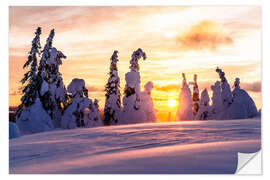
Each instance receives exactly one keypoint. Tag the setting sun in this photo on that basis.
(172, 102)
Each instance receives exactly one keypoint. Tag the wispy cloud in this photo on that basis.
(94, 89)
(169, 87)
(15, 92)
(248, 86)
(253, 86)
(204, 35)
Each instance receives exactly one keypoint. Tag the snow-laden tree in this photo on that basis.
(195, 96)
(204, 110)
(45, 54)
(236, 83)
(30, 91)
(52, 92)
(242, 106)
(132, 112)
(31, 117)
(226, 93)
(34, 119)
(216, 106)
(75, 114)
(93, 115)
(147, 102)
(226, 96)
(184, 111)
(112, 109)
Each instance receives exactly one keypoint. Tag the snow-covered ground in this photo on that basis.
(179, 147)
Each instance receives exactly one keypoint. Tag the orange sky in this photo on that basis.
(175, 39)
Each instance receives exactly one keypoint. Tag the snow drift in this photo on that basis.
(34, 119)
(13, 130)
(195, 147)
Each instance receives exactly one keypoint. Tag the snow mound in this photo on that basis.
(13, 131)
(243, 106)
(69, 120)
(34, 119)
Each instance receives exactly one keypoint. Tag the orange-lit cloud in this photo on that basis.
(204, 35)
(94, 89)
(166, 88)
(254, 86)
(248, 86)
(15, 93)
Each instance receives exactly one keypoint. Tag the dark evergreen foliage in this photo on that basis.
(30, 91)
(112, 88)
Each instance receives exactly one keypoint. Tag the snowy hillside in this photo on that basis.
(180, 147)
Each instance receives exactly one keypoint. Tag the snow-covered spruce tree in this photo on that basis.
(132, 112)
(216, 106)
(237, 83)
(30, 91)
(195, 96)
(184, 111)
(45, 54)
(52, 92)
(243, 105)
(112, 107)
(204, 110)
(93, 115)
(75, 114)
(226, 96)
(226, 93)
(31, 116)
(147, 103)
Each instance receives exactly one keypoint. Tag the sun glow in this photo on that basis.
(172, 102)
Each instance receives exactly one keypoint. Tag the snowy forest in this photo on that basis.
(47, 103)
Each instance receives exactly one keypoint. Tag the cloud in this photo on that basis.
(15, 92)
(94, 89)
(160, 99)
(170, 87)
(253, 86)
(204, 35)
(176, 87)
(248, 86)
